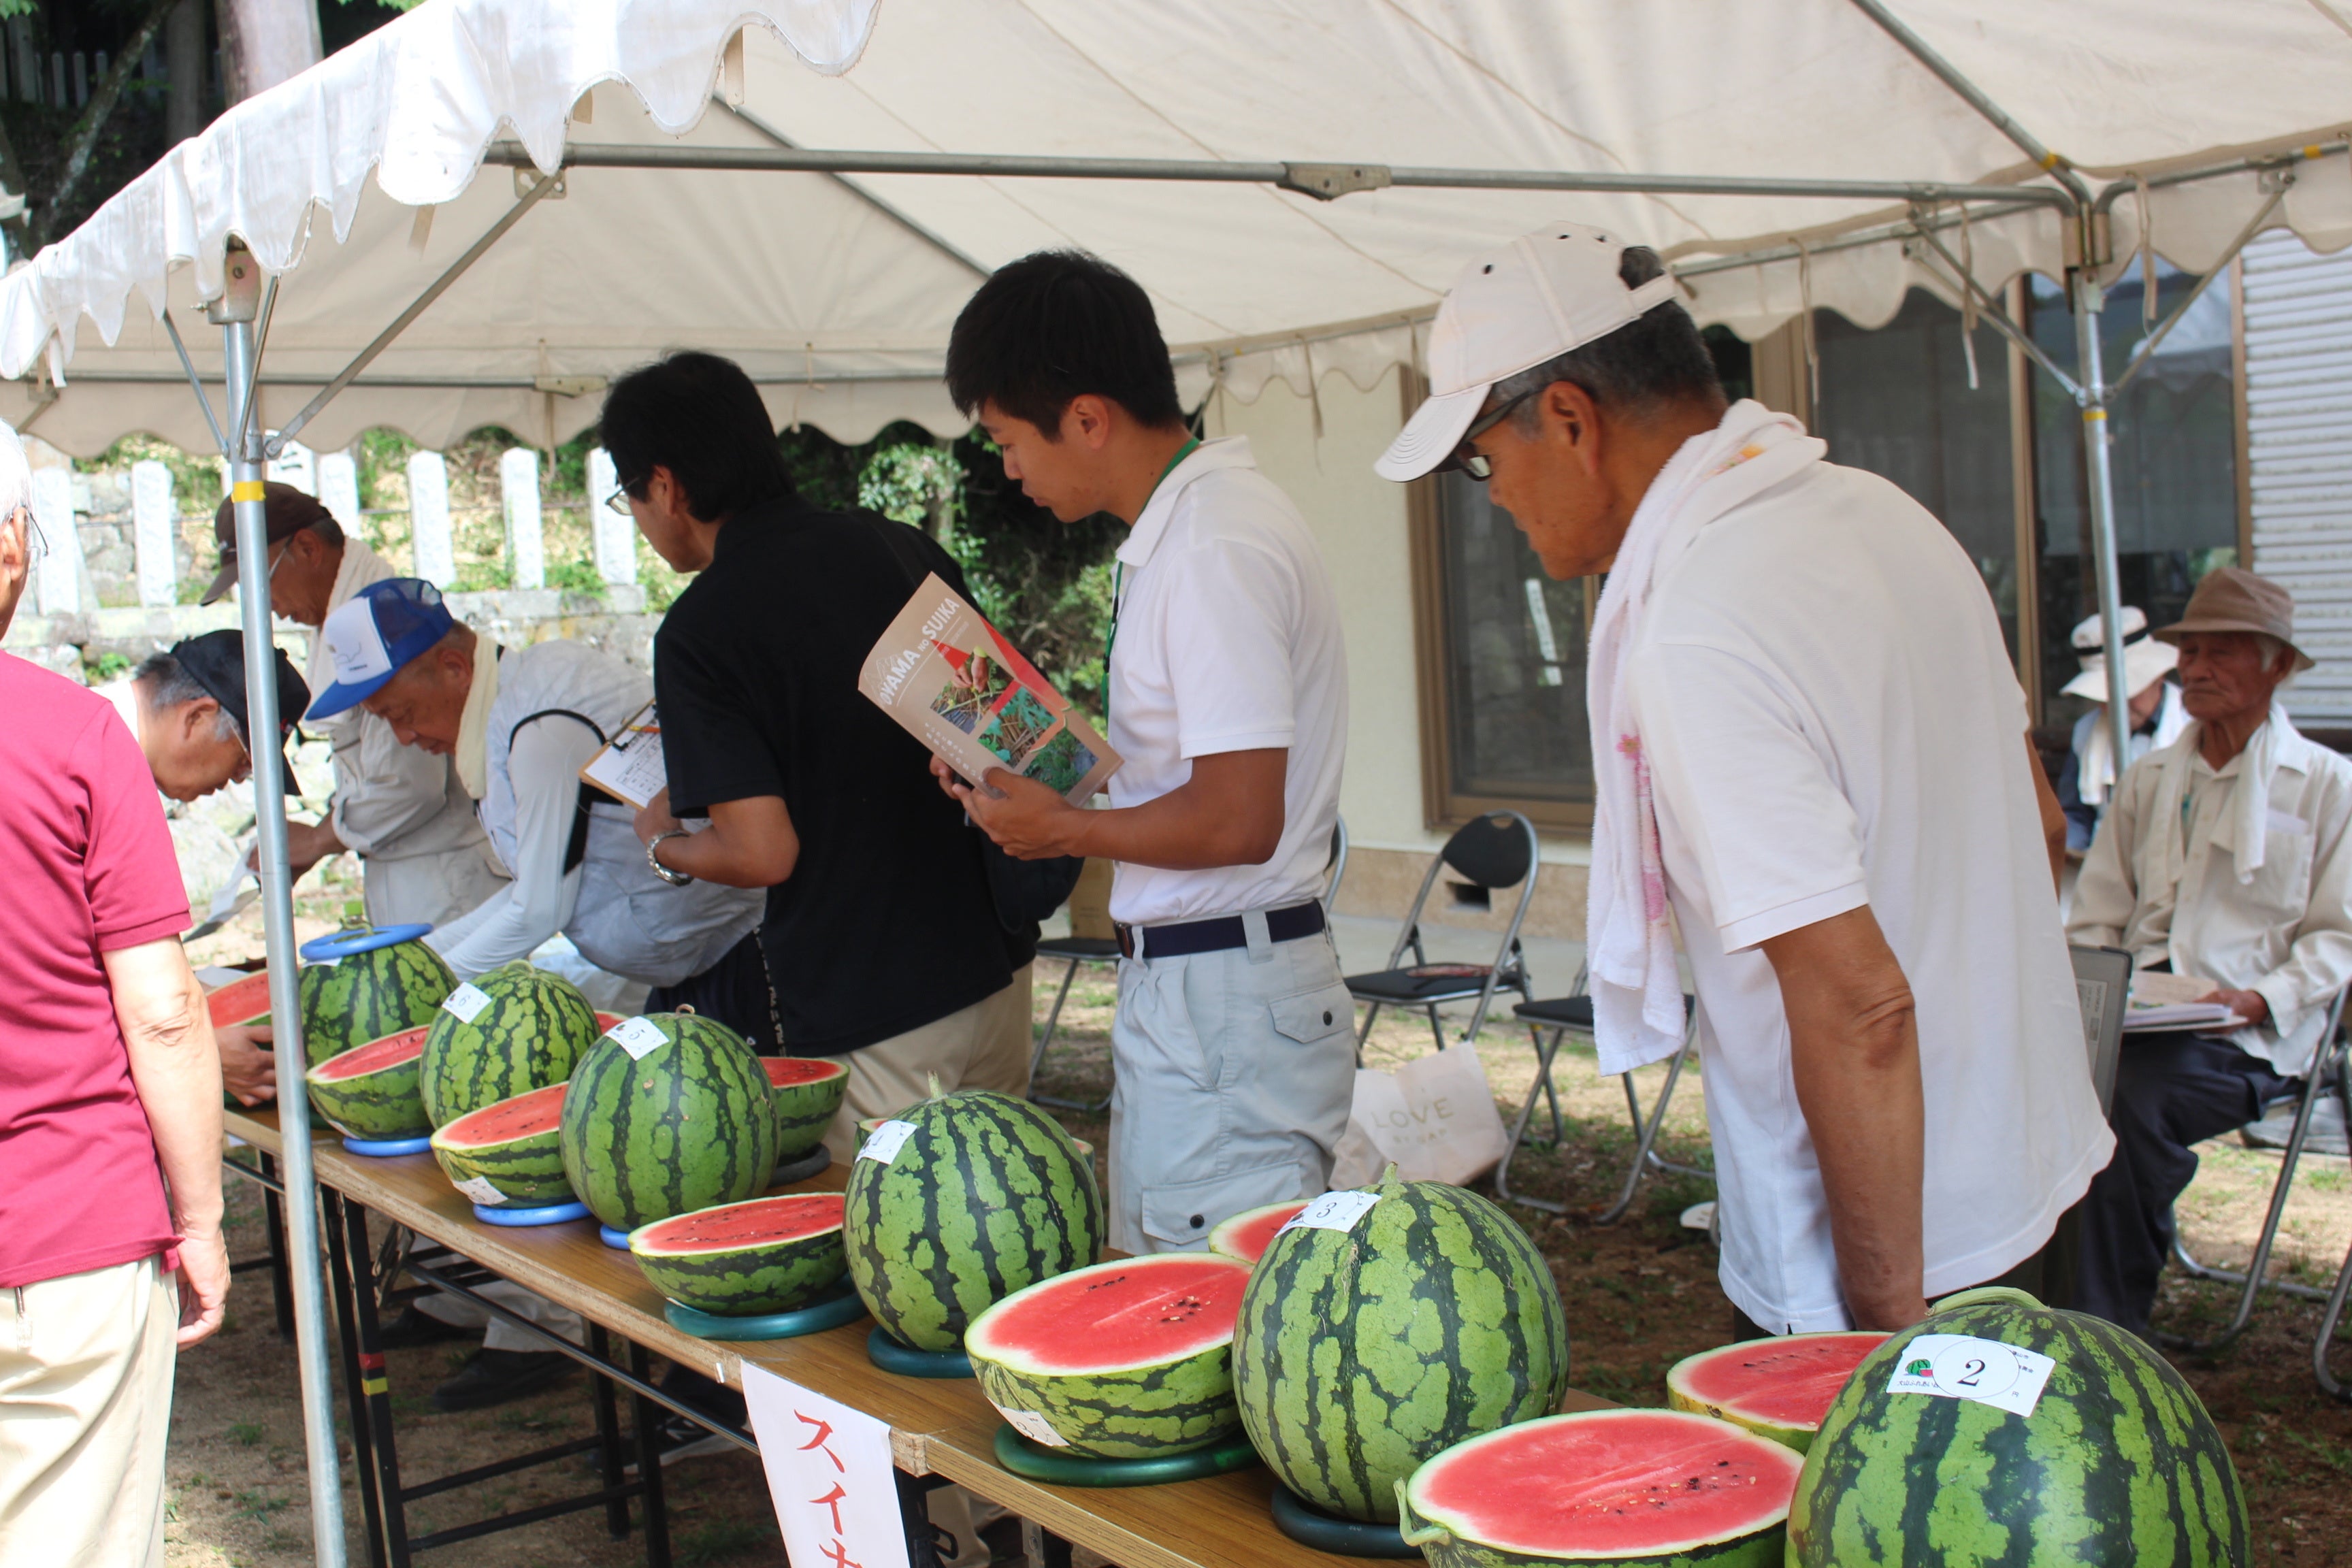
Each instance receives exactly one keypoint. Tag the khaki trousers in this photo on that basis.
(985, 1046)
(86, 1365)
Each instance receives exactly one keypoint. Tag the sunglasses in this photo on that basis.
(1467, 457)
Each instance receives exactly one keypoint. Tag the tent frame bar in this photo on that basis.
(2279, 183)
(1993, 311)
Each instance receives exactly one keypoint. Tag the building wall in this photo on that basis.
(1359, 520)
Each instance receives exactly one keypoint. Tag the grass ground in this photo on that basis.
(1640, 1295)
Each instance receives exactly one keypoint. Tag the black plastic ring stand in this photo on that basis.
(1034, 1461)
(892, 1355)
(813, 1163)
(1344, 1537)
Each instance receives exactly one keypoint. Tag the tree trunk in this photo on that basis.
(265, 42)
(183, 64)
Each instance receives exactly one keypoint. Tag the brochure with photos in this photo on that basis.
(956, 685)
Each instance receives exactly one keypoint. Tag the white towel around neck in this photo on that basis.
(2249, 814)
(1637, 998)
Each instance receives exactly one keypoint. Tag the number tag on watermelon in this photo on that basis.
(1033, 1426)
(479, 1189)
(1334, 1211)
(467, 1001)
(639, 1037)
(1961, 1367)
(886, 1140)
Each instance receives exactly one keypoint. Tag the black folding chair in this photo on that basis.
(1077, 950)
(2328, 1067)
(1496, 850)
(1562, 1015)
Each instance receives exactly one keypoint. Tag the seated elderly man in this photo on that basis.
(2221, 855)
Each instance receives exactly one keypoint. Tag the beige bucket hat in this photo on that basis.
(2231, 599)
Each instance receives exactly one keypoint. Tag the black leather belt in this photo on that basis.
(1216, 935)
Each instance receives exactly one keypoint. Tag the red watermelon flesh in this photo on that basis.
(1138, 1312)
(245, 1001)
(785, 1071)
(519, 1117)
(606, 1021)
(374, 1056)
(1247, 1236)
(1608, 1484)
(730, 1225)
(1777, 1388)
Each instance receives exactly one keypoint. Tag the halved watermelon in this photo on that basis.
(1649, 1487)
(606, 1021)
(508, 1154)
(766, 1254)
(808, 1093)
(1121, 1361)
(1777, 1388)
(369, 1090)
(1247, 1234)
(245, 1001)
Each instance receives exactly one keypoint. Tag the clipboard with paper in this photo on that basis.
(631, 768)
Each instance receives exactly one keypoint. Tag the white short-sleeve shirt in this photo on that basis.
(1227, 640)
(1831, 719)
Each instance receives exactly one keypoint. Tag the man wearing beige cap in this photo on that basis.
(2157, 718)
(1811, 756)
(2223, 857)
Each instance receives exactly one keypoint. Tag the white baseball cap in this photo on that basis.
(1512, 310)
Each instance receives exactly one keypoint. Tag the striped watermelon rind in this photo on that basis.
(987, 1195)
(1600, 1488)
(368, 996)
(808, 1092)
(2117, 1463)
(776, 1272)
(526, 1168)
(1247, 1234)
(1743, 1383)
(1138, 1410)
(1361, 1353)
(527, 1038)
(690, 1126)
(369, 1090)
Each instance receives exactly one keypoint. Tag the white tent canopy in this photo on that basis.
(837, 289)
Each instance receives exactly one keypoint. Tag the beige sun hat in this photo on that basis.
(2231, 599)
(2145, 659)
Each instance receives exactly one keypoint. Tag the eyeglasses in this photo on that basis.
(618, 501)
(35, 546)
(1468, 459)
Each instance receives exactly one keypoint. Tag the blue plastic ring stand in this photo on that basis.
(385, 1148)
(1345, 1537)
(343, 943)
(813, 1163)
(545, 1213)
(891, 1355)
(618, 1240)
(1056, 1466)
(837, 1306)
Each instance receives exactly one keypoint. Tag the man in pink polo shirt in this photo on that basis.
(110, 1246)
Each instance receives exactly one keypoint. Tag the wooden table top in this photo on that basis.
(938, 1426)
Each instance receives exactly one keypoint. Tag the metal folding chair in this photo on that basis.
(1077, 950)
(2328, 1066)
(1496, 850)
(1560, 1016)
(2103, 988)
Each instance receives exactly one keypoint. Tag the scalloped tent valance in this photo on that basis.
(364, 179)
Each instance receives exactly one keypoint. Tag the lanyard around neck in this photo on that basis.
(1119, 573)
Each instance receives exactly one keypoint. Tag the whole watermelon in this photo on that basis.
(689, 1124)
(986, 1196)
(1361, 1353)
(368, 996)
(2119, 1464)
(528, 1034)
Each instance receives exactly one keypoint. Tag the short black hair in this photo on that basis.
(700, 417)
(1057, 325)
(1653, 361)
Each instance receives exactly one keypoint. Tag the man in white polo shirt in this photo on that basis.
(1809, 746)
(1233, 1044)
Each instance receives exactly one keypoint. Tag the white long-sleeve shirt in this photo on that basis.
(2286, 934)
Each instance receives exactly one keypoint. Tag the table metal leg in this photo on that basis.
(282, 1283)
(355, 1375)
(375, 1406)
(608, 1432)
(646, 1417)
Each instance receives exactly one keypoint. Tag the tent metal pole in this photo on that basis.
(2099, 475)
(278, 922)
(2220, 266)
(1991, 311)
(194, 384)
(2257, 163)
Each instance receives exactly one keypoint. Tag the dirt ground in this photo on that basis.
(1640, 1295)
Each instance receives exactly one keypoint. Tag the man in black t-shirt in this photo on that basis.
(881, 943)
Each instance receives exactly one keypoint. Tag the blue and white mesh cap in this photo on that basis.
(373, 634)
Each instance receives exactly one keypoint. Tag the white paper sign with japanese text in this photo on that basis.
(1961, 1367)
(829, 1473)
